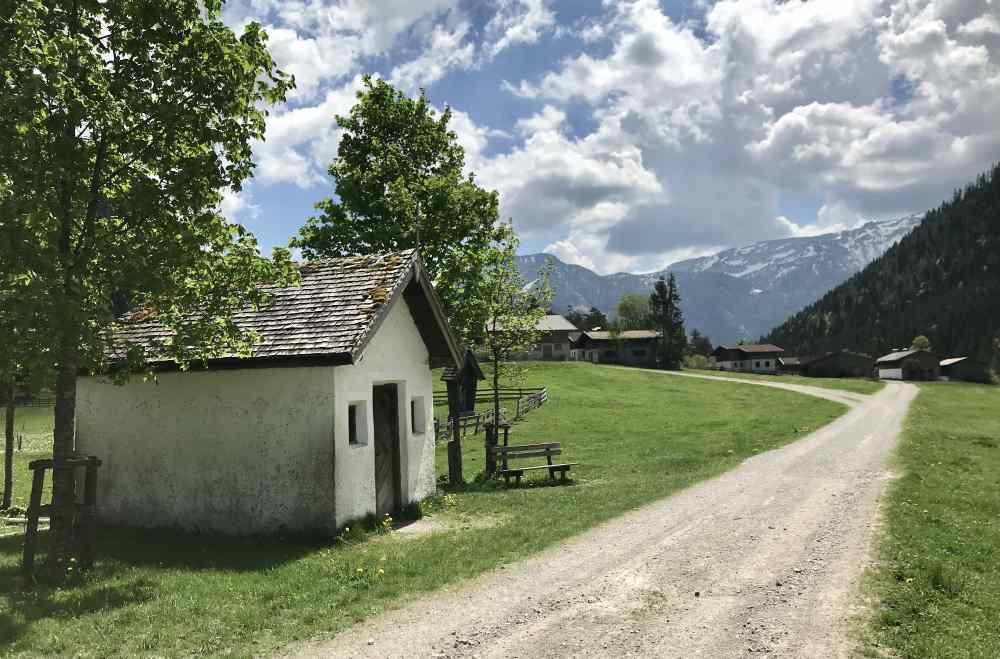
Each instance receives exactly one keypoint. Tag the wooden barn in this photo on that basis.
(753, 358)
(329, 420)
(842, 364)
(965, 369)
(908, 365)
(629, 348)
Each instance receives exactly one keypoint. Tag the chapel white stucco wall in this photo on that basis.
(396, 354)
(235, 451)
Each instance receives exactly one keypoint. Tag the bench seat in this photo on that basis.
(515, 452)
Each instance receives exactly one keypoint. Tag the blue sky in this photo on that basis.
(624, 135)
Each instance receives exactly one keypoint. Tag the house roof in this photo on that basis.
(625, 335)
(753, 348)
(952, 360)
(554, 323)
(330, 316)
(470, 362)
(789, 361)
(898, 355)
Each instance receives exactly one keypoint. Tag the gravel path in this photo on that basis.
(760, 561)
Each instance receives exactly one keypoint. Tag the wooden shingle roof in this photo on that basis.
(332, 314)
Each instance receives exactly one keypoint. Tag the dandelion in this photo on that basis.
(381, 571)
(361, 569)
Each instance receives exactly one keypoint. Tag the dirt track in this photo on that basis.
(760, 561)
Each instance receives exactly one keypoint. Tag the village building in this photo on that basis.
(908, 365)
(555, 339)
(752, 358)
(964, 369)
(330, 419)
(843, 364)
(628, 348)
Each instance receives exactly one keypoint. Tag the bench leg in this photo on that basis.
(562, 475)
(519, 480)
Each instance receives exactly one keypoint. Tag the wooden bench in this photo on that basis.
(508, 453)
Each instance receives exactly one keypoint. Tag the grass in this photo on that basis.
(35, 425)
(855, 385)
(937, 580)
(637, 435)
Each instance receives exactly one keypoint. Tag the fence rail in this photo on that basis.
(527, 399)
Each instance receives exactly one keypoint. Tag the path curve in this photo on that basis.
(759, 561)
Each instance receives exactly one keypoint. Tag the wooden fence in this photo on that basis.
(526, 399)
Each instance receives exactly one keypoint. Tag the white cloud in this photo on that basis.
(445, 51)
(780, 98)
(300, 143)
(238, 206)
(659, 138)
(518, 22)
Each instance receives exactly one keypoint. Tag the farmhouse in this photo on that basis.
(328, 421)
(908, 365)
(630, 347)
(554, 343)
(756, 358)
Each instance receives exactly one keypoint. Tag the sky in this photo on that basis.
(624, 135)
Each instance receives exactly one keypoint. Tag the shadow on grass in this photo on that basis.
(24, 601)
(479, 485)
(169, 548)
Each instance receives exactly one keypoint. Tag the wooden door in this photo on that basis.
(385, 414)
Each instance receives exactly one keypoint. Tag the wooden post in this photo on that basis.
(455, 453)
(491, 454)
(34, 510)
(88, 520)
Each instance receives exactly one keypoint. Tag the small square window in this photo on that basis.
(756, 364)
(357, 424)
(418, 415)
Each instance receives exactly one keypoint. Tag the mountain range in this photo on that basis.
(737, 293)
(942, 281)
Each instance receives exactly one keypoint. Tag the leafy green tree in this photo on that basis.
(920, 343)
(664, 304)
(700, 344)
(123, 122)
(591, 320)
(595, 319)
(512, 311)
(633, 312)
(400, 184)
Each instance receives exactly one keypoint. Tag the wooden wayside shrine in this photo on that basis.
(83, 515)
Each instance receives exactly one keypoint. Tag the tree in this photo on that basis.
(596, 319)
(400, 184)
(700, 344)
(123, 124)
(512, 311)
(920, 343)
(633, 312)
(592, 320)
(8, 448)
(664, 304)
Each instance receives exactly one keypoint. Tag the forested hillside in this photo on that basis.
(942, 280)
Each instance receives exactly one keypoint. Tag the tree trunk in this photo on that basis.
(63, 482)
(8, 451)
(491, 434)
